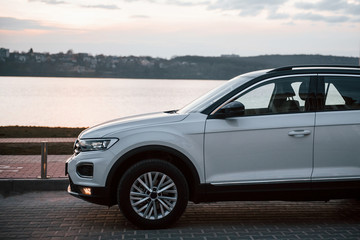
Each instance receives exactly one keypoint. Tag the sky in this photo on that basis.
(169, 28)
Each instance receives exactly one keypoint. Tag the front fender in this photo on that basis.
(186, 137)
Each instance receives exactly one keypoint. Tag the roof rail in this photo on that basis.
(287, 68)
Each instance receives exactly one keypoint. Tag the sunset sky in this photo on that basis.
(167, 28)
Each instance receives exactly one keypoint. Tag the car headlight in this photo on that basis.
(85, 145)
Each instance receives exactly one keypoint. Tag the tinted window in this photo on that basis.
(342, 93)
(285, 95)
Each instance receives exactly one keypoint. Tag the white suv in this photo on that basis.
(290, 133)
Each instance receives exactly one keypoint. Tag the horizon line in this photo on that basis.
(186, 55)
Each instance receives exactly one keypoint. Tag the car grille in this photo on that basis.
(85, 170)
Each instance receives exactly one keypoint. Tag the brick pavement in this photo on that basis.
(56, 215)
(29, 166)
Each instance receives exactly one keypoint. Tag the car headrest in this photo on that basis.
(304, 90)
(285, 90)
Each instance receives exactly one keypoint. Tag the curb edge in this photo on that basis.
(9, 186)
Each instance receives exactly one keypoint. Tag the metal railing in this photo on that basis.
(44, 153)
(44, 149)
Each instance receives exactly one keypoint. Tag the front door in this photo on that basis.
(272, 142)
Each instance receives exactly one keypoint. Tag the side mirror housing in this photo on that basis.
(232, 109)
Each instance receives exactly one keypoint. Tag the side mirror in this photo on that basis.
(232, 109)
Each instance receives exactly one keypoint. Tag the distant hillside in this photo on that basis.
(183, 67)
(227, 67)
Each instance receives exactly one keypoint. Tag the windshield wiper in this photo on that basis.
(171, 111)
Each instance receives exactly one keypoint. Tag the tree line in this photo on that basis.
(71, 64)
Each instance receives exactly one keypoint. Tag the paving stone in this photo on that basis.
(29, 166)
(57, 215)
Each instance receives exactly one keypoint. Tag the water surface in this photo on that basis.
(82, 102)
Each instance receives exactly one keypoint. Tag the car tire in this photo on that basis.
(152, 194)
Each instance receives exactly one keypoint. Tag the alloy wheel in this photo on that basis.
(153, 195)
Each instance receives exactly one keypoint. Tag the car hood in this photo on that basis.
(120, 124)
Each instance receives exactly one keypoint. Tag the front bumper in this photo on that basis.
(90, 168)
(98, 195)
(85, 190)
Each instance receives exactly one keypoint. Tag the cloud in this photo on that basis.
(275, 15)
(102, 6)
(187, 3)
(343, 6)
(52, 2)
(175, 2)
(319, 17)
(331, 11)
(247, 8)
(7, 23)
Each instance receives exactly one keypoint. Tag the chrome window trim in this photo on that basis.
(337, 75)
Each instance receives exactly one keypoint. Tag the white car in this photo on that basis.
(291, 133)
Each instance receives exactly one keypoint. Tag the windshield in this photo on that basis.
(209, 98)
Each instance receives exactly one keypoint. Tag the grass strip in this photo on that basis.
(38, 132)
(35, 148)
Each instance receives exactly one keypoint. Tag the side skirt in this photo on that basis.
(301, 191)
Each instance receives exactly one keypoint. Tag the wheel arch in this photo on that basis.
(168, 154)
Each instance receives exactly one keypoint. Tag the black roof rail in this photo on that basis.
(287, 68)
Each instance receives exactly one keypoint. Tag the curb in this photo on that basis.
(10, 186)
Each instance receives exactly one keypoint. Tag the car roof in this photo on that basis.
(316, 68)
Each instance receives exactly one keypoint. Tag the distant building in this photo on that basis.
(230, 56)
(4, 53)
(39, 58)
(19, 57)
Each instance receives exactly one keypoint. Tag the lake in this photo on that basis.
(83, 102)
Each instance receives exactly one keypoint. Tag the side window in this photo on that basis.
(342, 93)
(258, 98)
(284, 95)
(333, 97)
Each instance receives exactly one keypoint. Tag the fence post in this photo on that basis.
(44, 153)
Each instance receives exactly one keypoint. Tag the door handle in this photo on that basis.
(299, 133)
